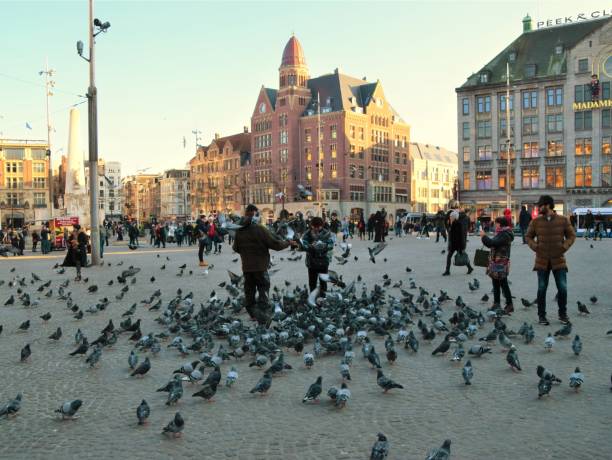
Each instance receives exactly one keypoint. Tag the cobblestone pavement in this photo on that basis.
(498, 417)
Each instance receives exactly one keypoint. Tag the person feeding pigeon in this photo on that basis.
(550, 236)
(252, 242)
(499, 261)
(318, 244)
(456, 242)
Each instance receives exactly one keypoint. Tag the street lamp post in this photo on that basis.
(508, 192)
(48, 85)
(92, 99)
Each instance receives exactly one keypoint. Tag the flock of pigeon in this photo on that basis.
(209, 335)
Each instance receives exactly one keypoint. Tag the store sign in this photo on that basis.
(66, 221)
(571, 19)
(580, 106)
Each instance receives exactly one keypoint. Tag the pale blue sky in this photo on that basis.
(168, 67)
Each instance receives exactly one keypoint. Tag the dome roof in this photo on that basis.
(293, 53)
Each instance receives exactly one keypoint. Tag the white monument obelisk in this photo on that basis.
(75, 198)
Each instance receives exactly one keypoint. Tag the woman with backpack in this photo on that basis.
(499, 261)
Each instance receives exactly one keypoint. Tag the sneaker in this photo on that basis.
(446, 273)
(543, 321)
(470, 270)
(509, 309)
(203, 264)
(564, 319)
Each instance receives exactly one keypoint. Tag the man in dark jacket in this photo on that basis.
(440, 228)
(252, 242)
(318, 244)
(456, 242)
(524, 219)
(550, 236)
(201, 232)
(589, 220)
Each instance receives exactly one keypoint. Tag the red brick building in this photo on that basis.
(360, 164)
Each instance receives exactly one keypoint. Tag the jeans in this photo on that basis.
(587, 232)
(202, 245)
(313, 276)
(256, 282)
(440, 231)
(561, 282)
(449, 258)
(523, 231)
(501, 285)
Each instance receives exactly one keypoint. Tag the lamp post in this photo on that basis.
(508, 192)
(95, 28)
(48, 85)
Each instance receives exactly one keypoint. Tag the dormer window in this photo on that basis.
(512, 56)
(530, 70)
(559, 49)
(484, 77)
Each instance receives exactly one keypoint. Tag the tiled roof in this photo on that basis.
(432, 152)
(272, 96)
(536, 47)
(241, 142)
(293, 54)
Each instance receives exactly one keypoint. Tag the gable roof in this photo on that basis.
(422, 151)
(271, 93)
(536, 47)
(241, 142)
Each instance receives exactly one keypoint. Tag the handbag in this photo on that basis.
(481, 257)
(499, 268)
(461, 259)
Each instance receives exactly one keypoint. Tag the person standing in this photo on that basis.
(370, 227)
(334, 226)
(588, 224)
(524, 220)
(361, 227)
(456, 242)
(252, 242)
(102, 240)
(508, 216)
(550, 236)
(379, 227)
(319, 245)
(440, 228)
(44, 240)
(499, 262)
(35, 239)
(201, 231)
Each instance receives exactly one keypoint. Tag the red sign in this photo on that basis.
(65, 221)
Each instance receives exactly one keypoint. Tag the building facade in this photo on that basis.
(560, 125)
(109, 189)
(175, 196)
(140, 197)
(24, 186)
(334, 135)
(220, 175)
(433, 177)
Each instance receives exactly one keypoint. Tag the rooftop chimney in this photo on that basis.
(527, 23)
(246, 129)
(217, 135)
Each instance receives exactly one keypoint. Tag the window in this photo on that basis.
(14, 182)
(503, 149)
(361, 134)
(352, 171)
(559, 49)
(503, 132)
(282, 120)
(39, 154)
(39, 182)
(466, 181)
(39, 199)
(530, 70)
(554, 148)
(308, 153)
(14, 199)
(361, 172)
(333, 131)
(333, 167)
(307, 135)
(583, 120)
(530, 178)
(465, 103)
(582, 93)
(284, 137)
(466, 130)
(332, 149)
(38, 167)
(466, 153)
(554, 96)
(605, 145)
(584, 146)
(14, 153)
(484, 129)
(554, 123)
(502, 102)
(530, 125)
(606, 176)
(352, 131)
(357, 192)
(501, 179)
(583, 176)
(308, 172)
(483, 180)
(555, 177)
(605, 88)
(382, 194)
(483, 103)
(606, 121)
(401, 195)
(583, 65)
(484, 152)
(283, 155)
(530, 99)
(530, 150)
(484, 77)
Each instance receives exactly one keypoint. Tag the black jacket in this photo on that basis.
(499, 244)
(456, 237)
(588, 220)
(524, 218)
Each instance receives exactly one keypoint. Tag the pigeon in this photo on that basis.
(458, 353)
(373, 357)
(25, 325)
(582, 308)
(468, 372)
(380, 449)
(142, 412)
(385, 382)
(94, 356)
(526, 303)
(207, 392)
(263, 385)
(443, 347)
(342, 396)
(544, 387)
(175, 393)
(564, 331)
(26, 352)
(82, 348)
(314, 391)
(576, 379)
(46, 317)
(512, 359)
(441, 453)
(549, 342)
(593, 299)
(577, 345)
(69, 409)
(232, 377)
(308, 360)
(132, 359)
(10, 300)
(11, 408)
(375, 251)
(545, 373)
(485, 298)
(175, 427)
(57, 334)
(144, 367)
(479, 350)
(345, 370)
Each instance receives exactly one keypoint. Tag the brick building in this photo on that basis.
(335, 135)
